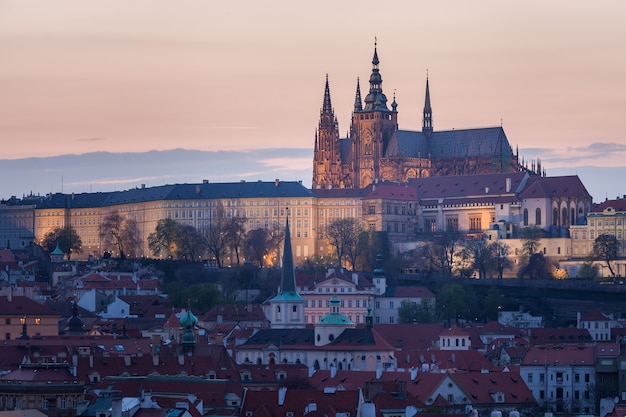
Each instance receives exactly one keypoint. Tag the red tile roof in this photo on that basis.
(595, 315)
(616, 205)
(300, 402)
(551, 187)
(570, 355)
(20, 306)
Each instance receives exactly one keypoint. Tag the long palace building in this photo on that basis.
(505, 202)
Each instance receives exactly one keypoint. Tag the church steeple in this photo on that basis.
(358, 105)
(288, 277)
(287, 308)
(327, 108)
(376, 100)
(427, 126)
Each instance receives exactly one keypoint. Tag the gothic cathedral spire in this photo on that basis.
(427, 126)
(327, 155)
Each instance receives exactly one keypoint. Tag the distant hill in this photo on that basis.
(106, 171)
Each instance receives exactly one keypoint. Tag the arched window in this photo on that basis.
(525, 217)
(564, 217)
(573, 216)
(555, 217)
(538, 216)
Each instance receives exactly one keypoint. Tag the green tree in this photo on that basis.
(66, 237)
(587, 271)
(410, 312)
(606, 248)
(455, 301)
(163, 240)
(492, 304)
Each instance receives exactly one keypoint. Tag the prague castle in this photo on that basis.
(377, 150)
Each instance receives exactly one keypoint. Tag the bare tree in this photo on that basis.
(500, 253)
(216, 236)
(189, 242)
(606, 248)
(163, 239)
(343, 235)
(258, 245)
(121, 233)
(236, 234)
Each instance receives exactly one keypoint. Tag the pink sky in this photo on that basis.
(83, 76)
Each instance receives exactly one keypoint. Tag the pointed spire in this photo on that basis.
(288, 279)
(358, 105)
(327, 107)
(427, 122)
(376, 100)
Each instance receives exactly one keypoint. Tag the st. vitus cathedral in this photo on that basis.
(377, 150)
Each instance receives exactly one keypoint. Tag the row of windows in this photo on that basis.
(357, 303)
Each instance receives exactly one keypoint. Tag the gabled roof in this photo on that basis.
(560, 336)
(235, 313)
(264, 403)
(566, 355)
(414, 336)
(595, 315)
(388, 190)
(486, 187)
(551, 187)
(20, 306)
(615, 205)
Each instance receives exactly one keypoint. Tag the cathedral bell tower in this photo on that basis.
(327, 153)
(373, 127)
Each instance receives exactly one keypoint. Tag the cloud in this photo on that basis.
(89, 139)
(600, 154)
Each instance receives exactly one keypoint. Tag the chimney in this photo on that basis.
(311, 371)
(508, 185)
(197, 189)
(282, 391)
(127, 360)
(91, 361)
(333, 371)
(155, 360)
(205, 181)
(181, 360)
(276, 182)
(379, 372)
(413, 371)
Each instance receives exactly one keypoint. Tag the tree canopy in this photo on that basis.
(66, 237)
